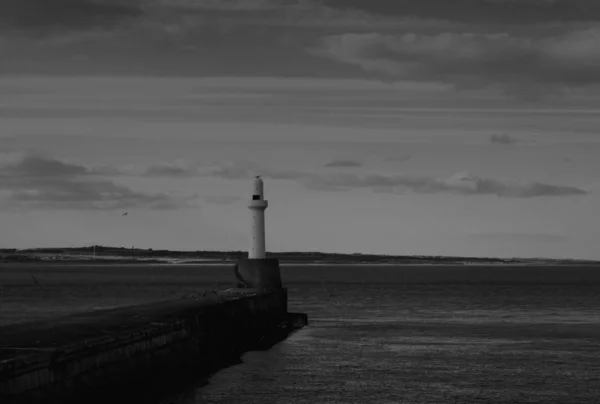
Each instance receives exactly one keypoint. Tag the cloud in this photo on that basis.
(225, 5)
(502, 139)
(35, 15)
(344, 163)
(90, 195)
(529, 48)
(481, 11)
(179, 38)
(285, 13)
(519, 65)
(460, 183)
(182, 170)
(233, 170)
(88, 14)
(35, 165)
(246, 169)
(175, 170)
(33, 181)
(175, 19)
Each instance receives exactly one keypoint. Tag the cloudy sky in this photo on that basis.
(469, 127)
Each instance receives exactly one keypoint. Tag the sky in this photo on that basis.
(463, 128)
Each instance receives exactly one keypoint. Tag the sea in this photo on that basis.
(425, 334)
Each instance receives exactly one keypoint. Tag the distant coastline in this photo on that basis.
(120, 255)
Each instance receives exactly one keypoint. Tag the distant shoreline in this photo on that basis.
(283, 263)
(102, 255)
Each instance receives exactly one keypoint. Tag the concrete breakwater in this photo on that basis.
(78, 356)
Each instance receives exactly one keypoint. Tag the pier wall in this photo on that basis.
(158, 339)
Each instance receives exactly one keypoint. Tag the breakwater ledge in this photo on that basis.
(110, 354)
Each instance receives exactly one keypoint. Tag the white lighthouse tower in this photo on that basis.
(257, 207)
(257, 271)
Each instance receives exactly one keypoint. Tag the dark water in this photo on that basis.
(426, 335)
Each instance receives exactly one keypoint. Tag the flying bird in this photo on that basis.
(125, 214)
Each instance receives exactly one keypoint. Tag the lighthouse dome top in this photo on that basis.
(258, 188)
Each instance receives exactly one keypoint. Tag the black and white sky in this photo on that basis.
(464, 127)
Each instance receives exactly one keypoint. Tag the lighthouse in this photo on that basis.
(257, 271)
(257, 207)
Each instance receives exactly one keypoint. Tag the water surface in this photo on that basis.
(426, 335)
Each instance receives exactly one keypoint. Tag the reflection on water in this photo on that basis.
(417, 343)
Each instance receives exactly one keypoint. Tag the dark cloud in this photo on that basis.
(502, 139)
(32, 15)
(39, 166)
(185, 38)
(344, 163)
(466, 43)
(39, 182)
(35, 165)
(481, 11)
(518, 65)
(178, 19)
(95, 194)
